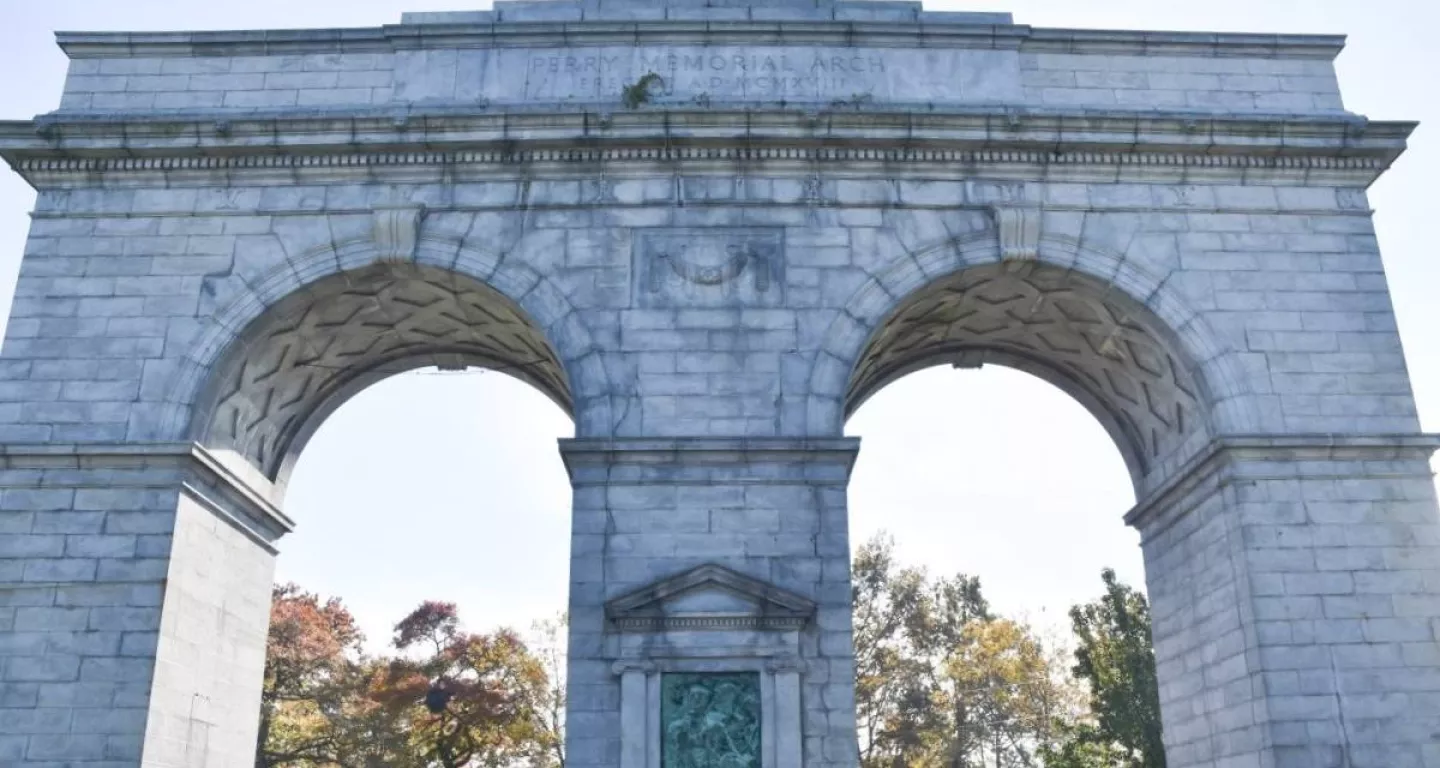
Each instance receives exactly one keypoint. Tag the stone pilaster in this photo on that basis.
(134, 599)
(1295, 582)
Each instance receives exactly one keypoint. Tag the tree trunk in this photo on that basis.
(261, 759)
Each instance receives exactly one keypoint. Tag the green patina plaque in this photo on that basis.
(710, 720)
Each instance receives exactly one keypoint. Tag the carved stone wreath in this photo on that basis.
(688, 265)
(692, 266)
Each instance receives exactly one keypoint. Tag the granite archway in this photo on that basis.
(234, 231)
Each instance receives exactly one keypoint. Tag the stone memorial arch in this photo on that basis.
(710, 231)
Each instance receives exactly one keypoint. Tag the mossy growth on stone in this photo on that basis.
(638, 92)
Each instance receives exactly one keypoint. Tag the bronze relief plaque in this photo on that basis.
(710, 720)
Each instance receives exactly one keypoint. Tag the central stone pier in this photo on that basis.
(719, 663)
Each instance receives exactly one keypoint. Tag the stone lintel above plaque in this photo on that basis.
(710, 597)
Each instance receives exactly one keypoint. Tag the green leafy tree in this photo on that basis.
(1080, 745)
(1114, 656)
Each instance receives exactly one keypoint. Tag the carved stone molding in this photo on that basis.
(710, 597)
(396, 231)
(633, 665)
(301, 159)
(785, 664)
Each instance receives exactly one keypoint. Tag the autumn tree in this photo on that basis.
(449, 699)
(1002, 692)
(550, 647)
(312, 664)
(891, 612)
(941, 681)
(1116, 659)
(464, 699)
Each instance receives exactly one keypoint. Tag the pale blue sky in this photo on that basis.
(450, 487)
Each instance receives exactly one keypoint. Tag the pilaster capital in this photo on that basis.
(786, 663)
(1249, 458)
(626, 666)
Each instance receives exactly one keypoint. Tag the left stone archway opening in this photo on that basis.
(256, 402)
(310, 352)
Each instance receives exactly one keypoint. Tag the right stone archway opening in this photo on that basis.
(1102, 348)
(1286, 572)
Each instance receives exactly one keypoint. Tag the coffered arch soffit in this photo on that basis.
(298, 342)
(1101, 329)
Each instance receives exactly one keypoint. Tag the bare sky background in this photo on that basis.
(450, 487)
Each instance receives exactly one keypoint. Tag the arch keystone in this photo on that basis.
(1018, 228)
(396, 231)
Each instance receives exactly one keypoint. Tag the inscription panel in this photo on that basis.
(712, 267)
(691, 74)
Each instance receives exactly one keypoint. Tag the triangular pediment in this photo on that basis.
(709, 597)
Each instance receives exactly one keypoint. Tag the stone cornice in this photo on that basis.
(1342, 149)
(930, 31)
(705, 450)
(1295, 456)
(648, 609)
(740, 460)
(187, 467)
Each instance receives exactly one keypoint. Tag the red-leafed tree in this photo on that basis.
(312, 663)
(467, 699)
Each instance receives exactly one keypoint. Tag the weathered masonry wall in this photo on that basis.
(120, 284)
(235, 232)
(957, 62)
(774, 73)
(135, 586)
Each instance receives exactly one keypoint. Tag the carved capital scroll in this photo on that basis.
(396, 230)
